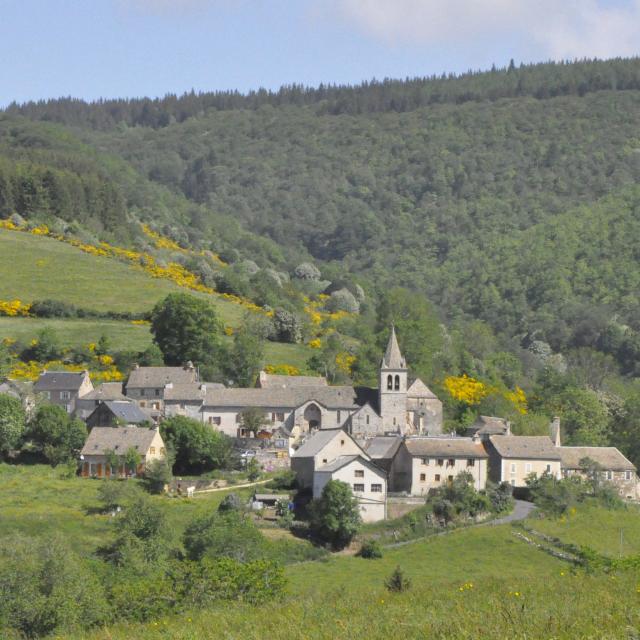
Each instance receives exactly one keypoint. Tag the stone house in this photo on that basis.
(367, 481)
(118, 413)
(63, 388)
(147, 442)
(382, 450)
(86, 404)
(147, 385)
(320, 449)
(486, 426)
(186, 399)
(615, 467)
(513, 458)
(425, 463)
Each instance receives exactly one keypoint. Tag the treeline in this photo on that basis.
(540, 81)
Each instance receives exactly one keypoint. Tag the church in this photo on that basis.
(299, 405)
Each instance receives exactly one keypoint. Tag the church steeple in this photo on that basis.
(392, 356)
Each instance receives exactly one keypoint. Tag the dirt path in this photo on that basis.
(230, 487)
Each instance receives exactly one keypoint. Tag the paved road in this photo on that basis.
(521, 510)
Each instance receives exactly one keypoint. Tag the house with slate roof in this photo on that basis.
(146, 385)
(486, 426)
(86, 404)
(63, 388)
(187, 398)
(118, 413)
(102, 441)
(425, 463)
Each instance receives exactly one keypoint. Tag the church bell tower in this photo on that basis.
(393, 387)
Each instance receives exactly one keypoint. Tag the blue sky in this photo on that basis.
(114, 48)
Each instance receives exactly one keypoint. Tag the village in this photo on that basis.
(386, 444)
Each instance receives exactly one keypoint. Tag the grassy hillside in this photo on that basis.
(471, 583)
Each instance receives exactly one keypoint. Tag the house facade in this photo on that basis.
(513, 458)
(423, 464)
(87, 403)
(63, 388)
(101, 441)
(367, 481)
(147, 385)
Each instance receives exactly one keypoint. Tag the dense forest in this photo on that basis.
(508, 199)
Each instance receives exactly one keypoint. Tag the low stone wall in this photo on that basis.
(398, 506)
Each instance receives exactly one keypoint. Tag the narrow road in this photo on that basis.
(230, 487)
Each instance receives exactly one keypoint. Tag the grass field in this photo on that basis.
(35, 268)
(471, 583)
(597, 528)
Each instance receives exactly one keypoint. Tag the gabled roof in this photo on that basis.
(339, 397)
(447, 447)
(313, 445)
(488, 425)
(273, 381)
(382, 446)
(59, 381)
(418, 389)
(124, 410)
(118, 439)
(392, 357)
(525, 447)
(343, 461)
(150, 377)
(105, 391)
(189, 391)
(609, 458)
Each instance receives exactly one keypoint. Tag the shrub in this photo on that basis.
(371, 550)
(306, 271)
(335, 516)
(58, 436)
(157, 475)
(114, 494)
(230, 502)
(53, 309)
(398, 582)
(500, 496)
(12, 423)
(284, 481)
(343, 300)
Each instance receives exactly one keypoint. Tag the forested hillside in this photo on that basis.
(508, 199)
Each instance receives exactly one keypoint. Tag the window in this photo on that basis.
(397, 385)
(214, 420)
(163, 451)
(376, 488)
(471, 462)
(157, 393)
(338, 416)
(627, 475)
(609, 475)
(142, 403)
(513, 467)
(277, 416)
(359, 473)
(548, 468)
(513, 482)
(342, 443)
(451, 462)
(425, 462)
(155, 405)
(324, 461)
(368, 419)
(449, 478)
(394, 422)
(152, 450)
(389, 383)
(423, 477)
(437, 477)
(527, 467)
(440, 462)
(65, 395)
(96, 402)
(358, 488)
(141, 393)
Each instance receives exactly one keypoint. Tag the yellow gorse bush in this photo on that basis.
(282, 369)
(344, 361)
(518, 398)
(466, 389)
(14, 308)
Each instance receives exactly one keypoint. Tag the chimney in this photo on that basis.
(136, 365)
(508, 431)
(555, 431)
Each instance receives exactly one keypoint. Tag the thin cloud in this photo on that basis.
(554, 28)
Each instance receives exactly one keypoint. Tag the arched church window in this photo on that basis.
(397, 383)
(389, 383)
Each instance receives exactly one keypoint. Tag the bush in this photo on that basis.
(58, 436)
(114, 493)
(397, 582)
(371, 550)
(500, 496)
(12, 423)
(53, 309)
(459, 499)
(335, 516)
(157, 475)
(284, 481)
(230, 502)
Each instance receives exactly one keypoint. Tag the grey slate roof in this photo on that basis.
(418, 389)
(118, 439)
(392, 357)
(313, 445)
(59, 381)
(340, 397)
(273, 381)
(343, 461)
(106, 391)
(382, 446)
(525, 447)
(610, 458)
(450, 447)
(124, 410)
(488, 425)
(154, 377)
(190, 391)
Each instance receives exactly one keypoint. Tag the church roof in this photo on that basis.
(419, 389)
(392, 357)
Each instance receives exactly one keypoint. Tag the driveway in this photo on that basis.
(521, 510)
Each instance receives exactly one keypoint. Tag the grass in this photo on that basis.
(598, 528)
(36, 268)
(471, 583)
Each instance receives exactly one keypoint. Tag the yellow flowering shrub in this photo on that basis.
(344, 361)
(518, 398)
(282, 369)
(140, 322)
(228, 331)
(316, 343)
(466, 389)
(160, 241)
(14, 308)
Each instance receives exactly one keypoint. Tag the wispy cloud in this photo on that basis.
(553, 28)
